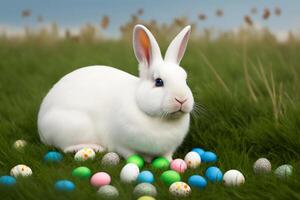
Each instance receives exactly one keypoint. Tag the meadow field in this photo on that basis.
(248, 106)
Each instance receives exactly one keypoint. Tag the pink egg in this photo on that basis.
(100, 179)
(178, 165)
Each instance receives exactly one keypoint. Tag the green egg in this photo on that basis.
(82, 172)
(169, 177)
(136, 159)
(160, 163)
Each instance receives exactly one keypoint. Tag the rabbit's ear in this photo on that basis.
(145, 46)
(177, 47)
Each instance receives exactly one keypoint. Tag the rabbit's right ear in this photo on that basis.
(145, 47)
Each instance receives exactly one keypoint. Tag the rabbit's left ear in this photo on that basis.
(177, 47)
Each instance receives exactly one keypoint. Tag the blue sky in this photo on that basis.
(73, 13)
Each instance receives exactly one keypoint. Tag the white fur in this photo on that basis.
(100, 106)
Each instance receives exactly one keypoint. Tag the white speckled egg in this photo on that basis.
(20, 170)
(110, 159)
(108, 192)
(19, 144)
(192, 159)
(262, 166)
(129, 173)
(180, 189)
(143, 189)
(233, 178)
(84, 154)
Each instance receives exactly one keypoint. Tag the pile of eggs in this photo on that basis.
(133, 173)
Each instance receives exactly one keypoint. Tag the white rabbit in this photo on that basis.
(105, 108)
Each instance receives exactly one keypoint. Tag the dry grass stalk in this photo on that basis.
(247, 78)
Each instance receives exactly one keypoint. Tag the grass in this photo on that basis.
(250, 92)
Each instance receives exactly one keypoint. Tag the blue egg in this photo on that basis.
(197, 181)
(64, 185)
(214, 174)
(209, 156)
(7, 180)
(199, 151)
(145, 177)
(53, 156)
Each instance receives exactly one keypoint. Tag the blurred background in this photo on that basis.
(106, 20)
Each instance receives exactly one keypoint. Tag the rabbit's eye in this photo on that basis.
(159, 82)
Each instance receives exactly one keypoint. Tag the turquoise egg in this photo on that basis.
(214, 174)
(64, 185)
(53, 156)
(7, 180)
(145, 177)
(199, 151)
(197, 181)
(209, 156)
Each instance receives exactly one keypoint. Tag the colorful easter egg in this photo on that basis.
(64, 185)
(169, 177)
(136, 159)
(262, 166)
(129, 173)
(100, 179)
(160, 163)
(143, 189)
(284, 171)
(82, 172)
(85, 154)
(110, 159)
(7, 180)
(208, 156)
(178, 165)
(108, 192)
(197, 181)
(233, 178)
(180, 189)
(19, 144)
(199, 151)
(192, 159)
(214, 174)
(146, 198)
(53, 156)
(145, 177)
(20, 170)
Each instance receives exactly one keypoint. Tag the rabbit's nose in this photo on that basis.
(181, 101)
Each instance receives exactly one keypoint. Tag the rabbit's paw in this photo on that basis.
(75, 148)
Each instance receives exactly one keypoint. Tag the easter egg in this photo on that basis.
(214, 174)
(145, 177)
(53, 156)
(178, 165)
(136, 159)
(284, 171)
(82, 172)
(108, 192)
(129, 173)
(169, 177)
(144, 189)
(7, 180)
(233, 178)
(110, 159)
(209, 156)
(192, 159)
(199, 151)
(180, 189)
(100, 179)
(197, 181)
(19, 144)
(84, 154)
(146, 198)
(160, 163)
(262, 166)
(20, 170)
(64, 185)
